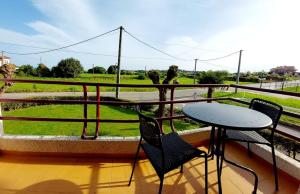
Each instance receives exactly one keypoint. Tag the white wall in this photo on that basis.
(6, 61)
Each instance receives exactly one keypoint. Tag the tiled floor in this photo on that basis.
(49, 175)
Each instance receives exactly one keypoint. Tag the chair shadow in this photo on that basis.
(175, 182)
(52, 186)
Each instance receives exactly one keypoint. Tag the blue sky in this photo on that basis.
(267, 30)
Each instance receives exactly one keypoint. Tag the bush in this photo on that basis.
(68, 68)
(112, 69)
(43, 71)
(100, 70)
(212, 77)
(26, 70)
(126, 72)
(141, 77)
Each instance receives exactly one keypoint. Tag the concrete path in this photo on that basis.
(135, 95)
(125, 95)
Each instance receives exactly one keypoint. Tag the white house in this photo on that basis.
(6, 60)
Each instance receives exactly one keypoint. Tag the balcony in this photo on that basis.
(22, 174)
(92, 164)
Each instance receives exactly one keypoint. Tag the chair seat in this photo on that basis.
(176, 151)
(247, 136)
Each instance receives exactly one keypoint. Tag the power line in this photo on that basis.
(84, 52)
(216, 65)
(193, 47)
(150, 46)
(217, 58)
(63, 47)
(109, 55)
(211, 59)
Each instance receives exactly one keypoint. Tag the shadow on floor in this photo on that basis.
(51, 186)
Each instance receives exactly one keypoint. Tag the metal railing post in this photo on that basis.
(171, 109)
(97, 111)
(160, 109)
(84, 130)
(1, 123)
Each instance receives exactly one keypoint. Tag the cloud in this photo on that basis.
(270, 38)
(268, 31)
(50, 34)
(76, 17)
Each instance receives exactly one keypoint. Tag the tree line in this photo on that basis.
(66, 68)
(70, 68)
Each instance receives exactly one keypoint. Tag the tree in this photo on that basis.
(282, 70)
(7, 71)
(26, 70)
(172, 73)
(112, 69)
(43, 71)
(261, 74)
(97, 69)
(127, 72)
(141, 77)
(68, 68)
(212, 77)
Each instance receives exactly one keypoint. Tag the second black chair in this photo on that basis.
(272, 110)
(165, 152)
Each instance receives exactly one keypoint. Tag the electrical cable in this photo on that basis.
(154, 48)
(217, 58)
(110, 55)
(63, 47)
(83, 52)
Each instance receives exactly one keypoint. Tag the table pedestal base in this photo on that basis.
(220, 157)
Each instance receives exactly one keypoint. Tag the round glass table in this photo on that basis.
(224, 116)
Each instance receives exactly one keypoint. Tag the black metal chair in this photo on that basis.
(165, 151)
(271, 109)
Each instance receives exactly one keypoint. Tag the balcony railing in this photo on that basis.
(172, 87)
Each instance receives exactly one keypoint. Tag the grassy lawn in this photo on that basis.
(96, 78)
(76, 111)
(286, 102)
(292, 89)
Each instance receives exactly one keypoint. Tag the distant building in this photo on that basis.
(6, 60)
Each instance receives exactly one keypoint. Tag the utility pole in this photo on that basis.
(119, 62)
(40, 60)
(2, 59)
(238, 71)
(93, 69)
(195, 70)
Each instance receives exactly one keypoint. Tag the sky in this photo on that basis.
(268, 32)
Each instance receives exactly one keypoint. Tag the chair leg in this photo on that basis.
(135, 160)
(181, 168)
(249, 149)
(275, 168)
(212, 143)
(206, 175)
(161, 184)
(222, 156)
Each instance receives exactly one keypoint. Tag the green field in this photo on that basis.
(293, 103)
(95, 78)
(292, 89)
(75, 129)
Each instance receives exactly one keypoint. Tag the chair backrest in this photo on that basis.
(150, 131)
(271, 109)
